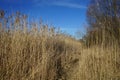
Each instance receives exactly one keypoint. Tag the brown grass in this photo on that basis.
(40, 53)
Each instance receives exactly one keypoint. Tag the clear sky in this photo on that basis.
(69, 15)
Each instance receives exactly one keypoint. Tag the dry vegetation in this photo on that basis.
(43, 53)
(39, 53)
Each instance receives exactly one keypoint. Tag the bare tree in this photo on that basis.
(102, 12)
(103, 17)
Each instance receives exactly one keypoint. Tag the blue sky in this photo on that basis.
(69, 15)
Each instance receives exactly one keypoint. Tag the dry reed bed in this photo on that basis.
(35, 56)
(100, 63)
(43, 54)
(32, 56)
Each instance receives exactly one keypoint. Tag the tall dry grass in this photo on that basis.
(100, 58)
(36, 53)
(43, 53)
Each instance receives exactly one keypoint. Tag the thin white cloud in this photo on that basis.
(69, 5)
(62, 3)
